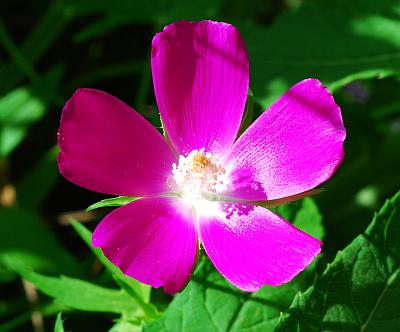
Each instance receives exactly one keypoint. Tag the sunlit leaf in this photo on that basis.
(79, 294)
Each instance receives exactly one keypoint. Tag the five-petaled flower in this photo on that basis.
(201, 185)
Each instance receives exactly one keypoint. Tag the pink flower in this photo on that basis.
(202, 186)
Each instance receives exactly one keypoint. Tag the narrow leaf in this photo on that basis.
(115, 201)
(79, 294)
(59, 326)
(124, 326)
(289, 199)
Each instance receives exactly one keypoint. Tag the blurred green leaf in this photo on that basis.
(15, 54)
(79, 294)
(54, 19)
(159, 12)
(22, 107)
(125, 326)
(336, 43)
(115, 201)
(59, 326)
(48, 309)
(210, 303)
(25, 238)
(31, 189)
(18, 110)
(138, 291)
(359, 290)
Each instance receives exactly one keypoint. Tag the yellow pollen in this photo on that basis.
(199, 174)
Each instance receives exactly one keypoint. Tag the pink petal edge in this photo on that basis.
(201, 77)
(107, 147)
(251, 246)
(294, 146)
(152, 240)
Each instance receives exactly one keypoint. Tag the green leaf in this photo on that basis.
(79, 294)
(115, 201)
(305, 215)
(125, 326)
(18, 110)
(309, 219)
(118, 13)
(46, 310)
(359, 290)
(40, 37)
(59, 326)
(24, 237)
(138, 291)
(31, 189)
(339, 43)
(210, 303)
(22, 107)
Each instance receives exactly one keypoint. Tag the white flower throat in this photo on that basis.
(199, 175)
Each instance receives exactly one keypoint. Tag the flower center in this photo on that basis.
(199, 175)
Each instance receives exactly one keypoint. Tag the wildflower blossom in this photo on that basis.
(203, 184)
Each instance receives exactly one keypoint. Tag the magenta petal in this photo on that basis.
(251, 246)
(294, 146)
(108, 147)
(201, 77)
(152, 240)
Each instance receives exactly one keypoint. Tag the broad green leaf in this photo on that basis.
(59, 326)
(79, 294)
(359, 290)
(336, 43)
(24, 237)
(210, 303)
(138, 291)
(115, 201)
